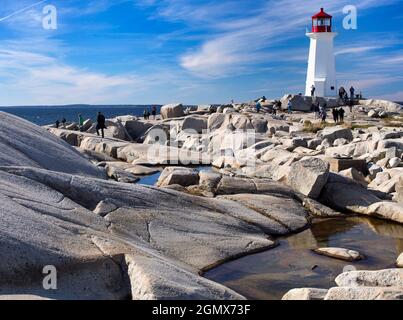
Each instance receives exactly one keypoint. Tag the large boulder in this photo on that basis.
(309, 176)
(209, 181)
(391, 143)
(172, 111)
(25, 144)
(115, 129)
(381, 278)
(333, 133)
(178, 176)
(357, 285)
(299, 103)
(388, 106)
(344, 194)
(196, 124)
(215, 121)
(137, 128)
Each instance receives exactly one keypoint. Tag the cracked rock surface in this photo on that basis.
(111, 240)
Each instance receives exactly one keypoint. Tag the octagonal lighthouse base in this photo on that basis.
(321, 65)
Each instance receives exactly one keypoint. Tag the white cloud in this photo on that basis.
(357, 50)
(44, 80)
(240, 36)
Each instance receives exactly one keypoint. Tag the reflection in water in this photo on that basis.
(270, 274)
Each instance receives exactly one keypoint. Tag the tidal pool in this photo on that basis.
(151, 180)
(270, 274)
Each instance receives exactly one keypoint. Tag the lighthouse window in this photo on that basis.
(321, 23)
(315, 23)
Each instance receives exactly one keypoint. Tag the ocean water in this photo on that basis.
(43, 115)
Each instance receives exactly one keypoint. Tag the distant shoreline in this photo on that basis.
(112, 105)
(86, 105)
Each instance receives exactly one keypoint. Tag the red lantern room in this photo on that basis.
(322, 22)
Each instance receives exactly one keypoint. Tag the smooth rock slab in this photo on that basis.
(381, 278)
(137, 251)
(340, 253)
(179, 225)
(386, 210)
(287, 215)
(25, 144)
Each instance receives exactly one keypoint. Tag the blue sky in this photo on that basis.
(189, 51)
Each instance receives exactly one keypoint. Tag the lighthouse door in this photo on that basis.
(320, 85)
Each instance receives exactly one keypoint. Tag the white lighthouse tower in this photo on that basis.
(321, 64)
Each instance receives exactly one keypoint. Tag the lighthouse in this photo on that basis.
(321, 65)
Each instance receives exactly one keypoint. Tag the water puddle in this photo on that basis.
(269, 275)
(151, 180)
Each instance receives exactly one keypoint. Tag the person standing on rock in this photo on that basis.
(80, 122)
(64, 121)
(57, 124)
(313, 89)
(335, 113)
(101, 124)
(341, 115)
(351, 105)
(352, 92)
(289, 107)
(154, 112)
(323, 112)
(258, 107)
(342, 91)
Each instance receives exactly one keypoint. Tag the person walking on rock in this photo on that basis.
(101, 124)
(341, 115)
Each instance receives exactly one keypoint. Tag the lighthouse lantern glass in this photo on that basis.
(322, 25)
